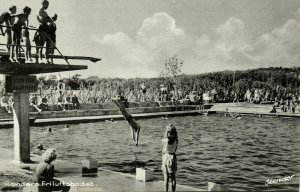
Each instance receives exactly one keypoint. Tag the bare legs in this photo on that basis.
(35, 106)
(14, 49)
(8, 39)
(166, 181)
(135, 135)
(43, 40)
(11, 51)
(173, 181)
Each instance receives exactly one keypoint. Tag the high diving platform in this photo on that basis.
(21, 68)
(20, 79)
(14, 68)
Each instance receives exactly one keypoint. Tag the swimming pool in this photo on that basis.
(244, 153)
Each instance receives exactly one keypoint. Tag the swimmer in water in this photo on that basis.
(67, 127)
(49, 130)
(40, 147)
(166, 117)
(111, 121)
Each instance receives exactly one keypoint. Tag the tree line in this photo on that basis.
(226, 84)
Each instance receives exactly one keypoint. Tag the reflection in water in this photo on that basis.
(244, 153)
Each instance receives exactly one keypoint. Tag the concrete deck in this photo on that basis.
(251, 109)
(71, 173)
(88, 119)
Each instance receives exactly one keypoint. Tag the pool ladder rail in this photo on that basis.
(202, 110)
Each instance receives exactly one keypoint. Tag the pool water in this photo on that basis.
(241, 152)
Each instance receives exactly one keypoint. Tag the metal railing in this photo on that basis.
(18, 54)
(200, 109)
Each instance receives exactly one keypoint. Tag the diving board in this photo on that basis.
(22, 88)
(14, 68)
(4, 56)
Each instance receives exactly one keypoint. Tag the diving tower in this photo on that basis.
(21, 80)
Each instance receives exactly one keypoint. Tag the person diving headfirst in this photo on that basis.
(135, 127)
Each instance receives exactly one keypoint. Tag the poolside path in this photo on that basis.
(70, 173)
(251, 109)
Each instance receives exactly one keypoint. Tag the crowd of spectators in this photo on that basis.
(63, 102)
(63, 98)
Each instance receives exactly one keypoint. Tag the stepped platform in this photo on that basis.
(102, 112)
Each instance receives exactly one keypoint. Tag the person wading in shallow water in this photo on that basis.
(169, 161)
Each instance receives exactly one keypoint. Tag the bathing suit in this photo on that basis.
(52, 32)
(169, 160)
(43, 29)
(17, 29)
(25, 33)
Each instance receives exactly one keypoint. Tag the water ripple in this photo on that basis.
(244, 153)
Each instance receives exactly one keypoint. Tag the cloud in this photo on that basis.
(160, 32)
(231, 38)
(130, 53)
(228, 43)
(281, 47)
(227, 48)
(157, 39)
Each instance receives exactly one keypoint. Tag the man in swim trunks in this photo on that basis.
(4, 18)
(21, 20)
(8, 20)
(52, 35)
(43, 30)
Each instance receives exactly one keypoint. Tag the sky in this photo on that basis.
(135, 37)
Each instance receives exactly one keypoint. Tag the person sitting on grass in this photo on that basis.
(75, 102)
(43, 103)
(143, 92)
(169, 161)
(45, 173)
(7, 103)
(60, 101)
(33, 102)
(68, 103)
(273, 109)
